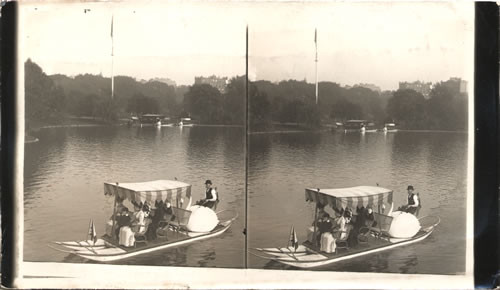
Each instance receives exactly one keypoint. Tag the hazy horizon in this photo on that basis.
(361, 42)
(229, 77)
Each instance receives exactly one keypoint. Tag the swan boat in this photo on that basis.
(172, 229)
(361, 241)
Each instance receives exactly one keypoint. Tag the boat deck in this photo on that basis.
(371, 243)
(172, 236)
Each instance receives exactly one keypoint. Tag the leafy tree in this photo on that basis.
(140, 104)
(234, 101)
(447, 107)
(344, 110)
(204, 103)
(309, 114)
(408, 108)
(329, 93)
(260, 108)
(106, 109)
(368, 100)
(44, 100)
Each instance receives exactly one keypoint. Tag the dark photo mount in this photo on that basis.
(11, 150)
(486, 166)
(486, 175)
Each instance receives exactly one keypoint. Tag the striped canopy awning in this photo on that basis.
(350, 197)
(172, 191)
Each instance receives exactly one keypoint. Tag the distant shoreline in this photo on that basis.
(74, 126)
(287, 131)
(432, 131)
(326, 128)
(83, 122)
(215, 125)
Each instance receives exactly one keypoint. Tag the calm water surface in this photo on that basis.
(66, 169)
(65, 172)
(282, 165)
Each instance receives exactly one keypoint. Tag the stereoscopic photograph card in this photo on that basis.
(228, 144)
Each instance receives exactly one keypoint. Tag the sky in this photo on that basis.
(381, 43)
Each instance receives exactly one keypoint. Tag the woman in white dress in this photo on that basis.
(138, 222)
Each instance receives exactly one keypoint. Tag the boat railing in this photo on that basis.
(383, 224)
(181, 216)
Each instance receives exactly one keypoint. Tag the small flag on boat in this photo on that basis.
(92, 232)
(293, 238)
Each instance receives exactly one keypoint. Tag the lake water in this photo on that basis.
(282, 165)
(66, 169)
(65, 172)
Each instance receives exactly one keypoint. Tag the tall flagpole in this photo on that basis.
(112, 62)
(316, 60)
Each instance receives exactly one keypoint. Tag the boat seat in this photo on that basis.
(342, 243)
(363, 234)
(179, 219)
(382, 226)
(216, 203)
(141, 237)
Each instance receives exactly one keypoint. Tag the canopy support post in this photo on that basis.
(114, 219)
(315, 220)
(315, 223)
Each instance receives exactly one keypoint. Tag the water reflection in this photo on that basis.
(202, 146)
(259, 148)
(298, 141)
(435, 164)
(207, 258)
(66, 170)
(174, 257)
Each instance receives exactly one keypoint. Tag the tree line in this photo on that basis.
(294, 101)
(51, 98)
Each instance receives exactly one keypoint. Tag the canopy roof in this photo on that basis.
(350, 197)
(151, 191)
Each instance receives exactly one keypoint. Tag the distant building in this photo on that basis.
(418, 86)
(460, 84)
(369, 86)
(161, 80)
(166, 81)
(219, 83)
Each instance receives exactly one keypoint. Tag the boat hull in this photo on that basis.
(315, 259)
(110, 252)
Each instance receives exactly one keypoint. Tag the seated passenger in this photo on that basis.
(211, 196)
(122, 219)
(138, 221)
(124, 232)
(156, 217)
(413, 205)
(324, 225)
(369, 217)
(327, 243)
(342, 227)
(365, 218)
(126, 237)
